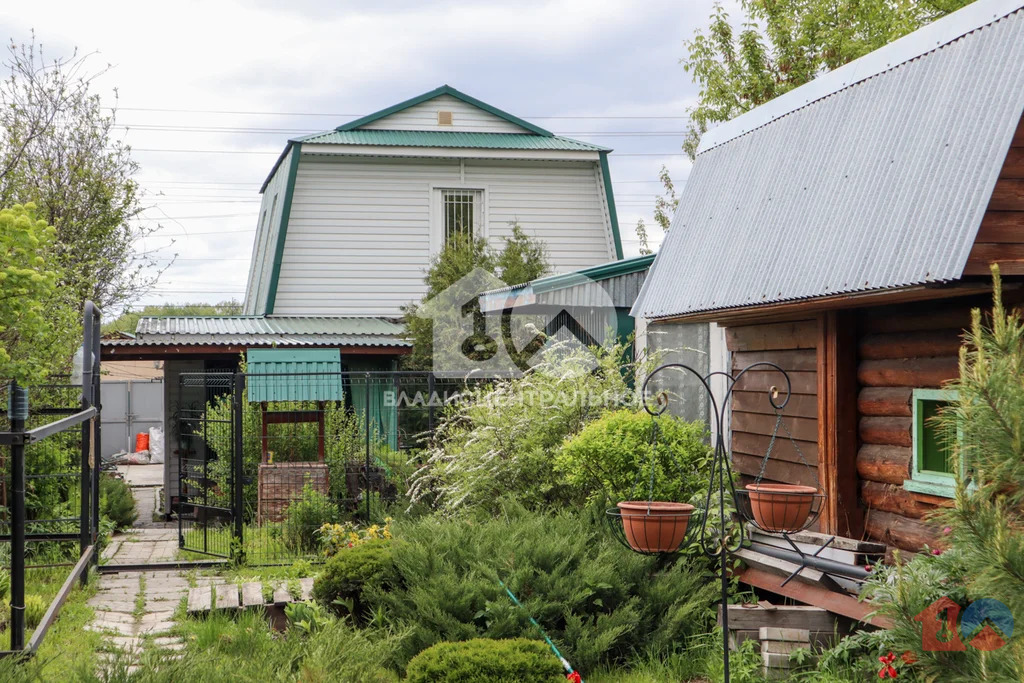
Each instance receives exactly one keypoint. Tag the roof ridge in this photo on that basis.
(927, 39)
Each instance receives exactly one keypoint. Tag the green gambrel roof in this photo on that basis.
(430, 138)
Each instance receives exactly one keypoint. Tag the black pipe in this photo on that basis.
(238, 470)
(97, 402)
(823, 564)
(84, 526)
(17, 411)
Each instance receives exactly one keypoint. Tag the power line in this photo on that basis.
(277, 153)
(176, 128)
(356, 116)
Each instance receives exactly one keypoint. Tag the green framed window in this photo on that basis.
(932, 463)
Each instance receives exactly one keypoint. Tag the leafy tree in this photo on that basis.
(520, 260)
(665, 206)
(37, 317)
(58, 150)
(129, 319)
(782, 44)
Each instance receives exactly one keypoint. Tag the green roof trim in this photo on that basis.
(437, 92)
(282, 232)
(604, 271)
(449, 139)
(293, 375)
(613, 216)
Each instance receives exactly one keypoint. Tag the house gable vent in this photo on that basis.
(444, 118)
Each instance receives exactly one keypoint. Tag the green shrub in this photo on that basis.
(35, 610)
(346, 574)
(485, 661)
(307, 617)
(612, 457)
(304, 517)
(500, 440)
(600, 603)
(117, 502)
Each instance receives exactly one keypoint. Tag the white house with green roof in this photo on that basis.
(351, 217)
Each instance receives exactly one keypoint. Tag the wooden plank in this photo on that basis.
(1002, 226)
(920, 344)
(802, 429)
(837, 463)
(746, 617)
(845, 556)
(757, 445)
(885, 464)
(816, 539)
(227, 596)
(899, 531)
(252, 594)
(887, 431)
(776, 470)
(281, 595)
(1008, 195)
(757, 402)
(896, 499)
(788, 359)
(912, 372)
(948, 315)
(794, 335)
(885, 401)
(200, 599)
(811, 594)
(306, 588)
(752, 558)
(758, 381)
(784, 635)
(1010, 258)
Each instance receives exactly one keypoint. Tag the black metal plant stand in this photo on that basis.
(719, 532)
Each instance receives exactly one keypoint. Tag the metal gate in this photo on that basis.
(129, 407)
(207, 431)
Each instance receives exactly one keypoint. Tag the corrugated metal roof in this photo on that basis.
(293, 375)
(431, 138)
(881, 184)
(265, 330)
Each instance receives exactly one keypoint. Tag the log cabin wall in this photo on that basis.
(792, 346)
(900, 348)
(1001, 235)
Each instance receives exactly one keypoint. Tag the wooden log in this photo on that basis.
(1002, 226)
(903, 532)
(884, 464)
(915, 317)
(920, 344)
(1010, 258)
(757, 445)
(252, 594)
(757, 402)
(802, 429)
(200, 599)
(887, 431)
(762, 381)
(908, 372)
(790, 360)
(1008, 195)
(1013, 166)
(885, 401)
(895, 499)
(794, 335)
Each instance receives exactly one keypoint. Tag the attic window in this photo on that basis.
(444, 118)
(461, 213)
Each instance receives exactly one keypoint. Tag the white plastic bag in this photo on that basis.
(156, 445)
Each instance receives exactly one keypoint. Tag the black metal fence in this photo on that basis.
(265, 460)
(49, 508)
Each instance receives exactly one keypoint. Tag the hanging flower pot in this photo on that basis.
(779, 508)
(655, 526)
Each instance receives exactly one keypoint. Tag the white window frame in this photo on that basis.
(437, 211)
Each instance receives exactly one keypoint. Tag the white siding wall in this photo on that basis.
(358, 239)
(262, 261)
(465, 117)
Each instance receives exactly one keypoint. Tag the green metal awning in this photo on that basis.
(294, 375)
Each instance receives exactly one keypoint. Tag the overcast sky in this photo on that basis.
(571, 66)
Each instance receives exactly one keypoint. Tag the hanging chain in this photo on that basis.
(653, 458)
(771, 446)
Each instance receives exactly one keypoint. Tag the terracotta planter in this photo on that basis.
(780, 507)
(655, 527)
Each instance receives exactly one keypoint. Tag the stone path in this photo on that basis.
(142, 546)
(134, 610)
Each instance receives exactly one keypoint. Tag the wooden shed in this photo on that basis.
(844, 231)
